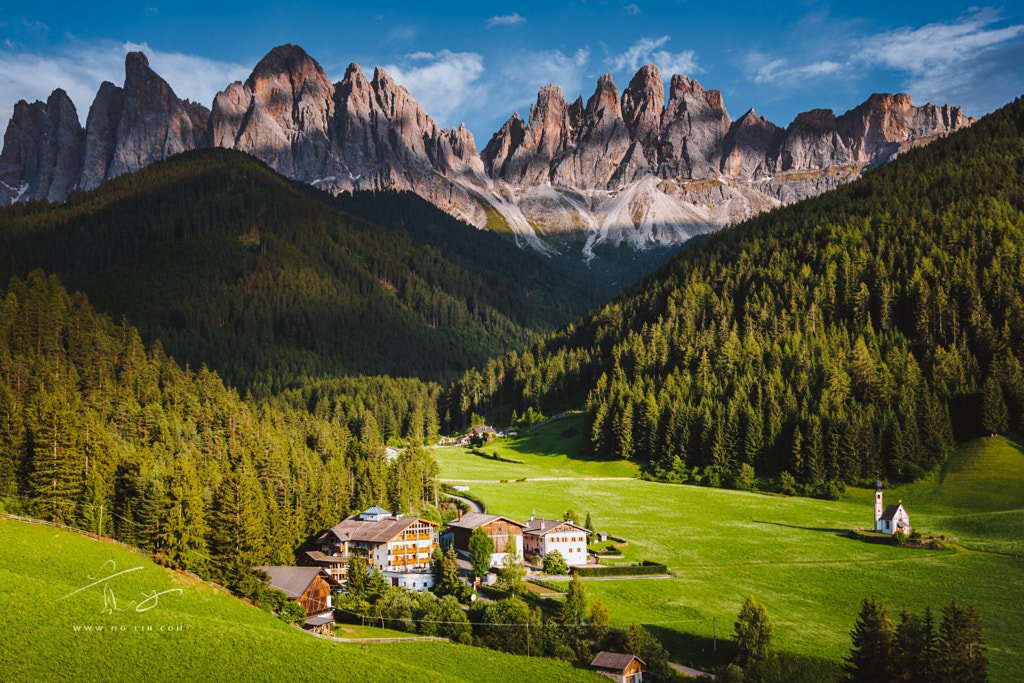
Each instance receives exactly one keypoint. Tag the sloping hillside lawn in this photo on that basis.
(552, 450)
(197, 634)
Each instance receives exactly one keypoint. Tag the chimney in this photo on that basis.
(460, 514)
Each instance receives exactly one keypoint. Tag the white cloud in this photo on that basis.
(446, 83)
(527, 72)
(633, 9)
(191, 76)
(936, 46)
(766, 70)
(938, 62)
(80, 68)
(646, 51)
(504, 20)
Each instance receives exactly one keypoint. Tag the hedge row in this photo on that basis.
(550, 585)
(644, 569)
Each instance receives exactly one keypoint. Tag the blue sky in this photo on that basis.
(478, 62)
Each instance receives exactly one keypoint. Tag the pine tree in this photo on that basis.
(871, 658)
(961, 646)
(994, 416)
(575, 605)
(753, 633)
(599, 618)
(57, 463)
(182, 536)
(238, 528)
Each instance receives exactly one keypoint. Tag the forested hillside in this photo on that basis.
(855, 334)
(271, 283)
(96, 428)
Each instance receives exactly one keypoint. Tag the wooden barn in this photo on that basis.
(618, 667)
(499, 528)
(309, 586)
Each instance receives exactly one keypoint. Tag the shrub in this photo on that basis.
(644, 569)
(828, 490)
(554, 563)
(900, 538)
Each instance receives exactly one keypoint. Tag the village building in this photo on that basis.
(543, 536)
(320, 625)
(482, 435)
(892, 518)
(498, 528)
(309, 586)
(399, 546)
(618, 667)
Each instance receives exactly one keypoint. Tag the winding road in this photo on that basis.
(474, 506)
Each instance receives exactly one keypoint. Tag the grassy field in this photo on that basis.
(793, 555)
(197, 633)
(552, 450)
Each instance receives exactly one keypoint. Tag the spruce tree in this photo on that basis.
(994, 417)
(182, 536)
(961, 646)
(575, 605)
(871, 658)
(753, 633)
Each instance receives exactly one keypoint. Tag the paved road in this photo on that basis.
(611, 578)
(513, 481)
(687, 671)
(474, 506)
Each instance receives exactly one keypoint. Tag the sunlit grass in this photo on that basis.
(794, 555)
(553, 450)
(199, 634)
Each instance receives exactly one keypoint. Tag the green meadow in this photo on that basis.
(552, 450)
(794, 555)
(197, 633)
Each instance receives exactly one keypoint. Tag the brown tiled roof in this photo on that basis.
(542, 527)
(614, 660)
(317, 556)
(292, 580)
(354, 529)
(475, 519)
(890, 512)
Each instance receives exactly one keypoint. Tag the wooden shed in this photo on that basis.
(622, 668)
(309, 586)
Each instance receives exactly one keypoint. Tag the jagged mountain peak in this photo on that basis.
(628, 163)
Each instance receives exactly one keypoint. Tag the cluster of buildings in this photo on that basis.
(401, 547)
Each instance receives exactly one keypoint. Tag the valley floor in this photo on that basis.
(794, 555)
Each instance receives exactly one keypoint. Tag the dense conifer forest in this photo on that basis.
(100, 432)
(271, 283)
(854, 335)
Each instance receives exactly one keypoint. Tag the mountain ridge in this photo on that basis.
(631, 167)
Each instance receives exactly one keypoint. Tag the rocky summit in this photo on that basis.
(629, 168)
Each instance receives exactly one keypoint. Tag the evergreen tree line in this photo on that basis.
(916, 648)
(856, 334)
(99, 432)
(272, 282)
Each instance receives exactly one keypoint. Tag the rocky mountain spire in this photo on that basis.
(630, 165)
(101, 135)
(281, 114)
(693, 127)
(642, 105)
(154, 123)
(42, 151)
